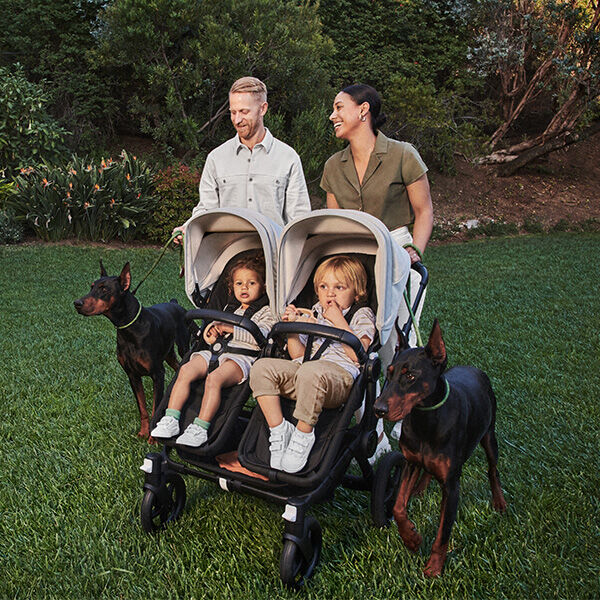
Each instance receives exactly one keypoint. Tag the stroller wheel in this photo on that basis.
(162, 507)
(295, 568)
(385, 488)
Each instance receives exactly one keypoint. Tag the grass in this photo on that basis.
(524, 309)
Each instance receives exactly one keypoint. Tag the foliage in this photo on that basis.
(28, 134)
(81, 457)
(177, 192)
(415, 55)
(434, 121)
(11, 231)
(181, 58)
(539, 51)
(52, 40)
(85, 200)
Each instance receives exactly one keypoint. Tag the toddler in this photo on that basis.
(325, 382)
(247, 283)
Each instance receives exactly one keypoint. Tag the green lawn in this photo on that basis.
(524, 309)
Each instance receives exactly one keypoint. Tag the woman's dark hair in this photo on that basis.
(361, 92)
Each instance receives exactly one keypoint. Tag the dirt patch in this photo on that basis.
(562, 188)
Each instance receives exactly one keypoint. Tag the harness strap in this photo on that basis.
(328, 341)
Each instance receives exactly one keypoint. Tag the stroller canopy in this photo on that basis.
(215, 236)
(321, 233)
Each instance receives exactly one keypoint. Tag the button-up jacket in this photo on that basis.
(269, 179)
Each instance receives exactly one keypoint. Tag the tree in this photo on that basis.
(28, 134)
(51, 39)
(179, 58)
(534, 49)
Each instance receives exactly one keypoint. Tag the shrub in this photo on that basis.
(85, 200)
(177, 191)
(11, 231)
(28, 135)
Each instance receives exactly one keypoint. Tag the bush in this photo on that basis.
(28, 135)
(11, 231)
(177, 191)
(84, 200)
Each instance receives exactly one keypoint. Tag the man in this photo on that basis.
(253, 169)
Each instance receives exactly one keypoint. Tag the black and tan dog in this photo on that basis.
(446, 414)
(145, 336)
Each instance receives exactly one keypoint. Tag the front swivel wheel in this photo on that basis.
(300, 557)
(164, 506)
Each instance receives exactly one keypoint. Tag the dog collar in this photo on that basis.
(134, 319)
(440, 402)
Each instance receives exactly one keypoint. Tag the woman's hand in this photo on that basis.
(414, 257)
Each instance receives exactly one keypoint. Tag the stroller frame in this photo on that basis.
(164, 487)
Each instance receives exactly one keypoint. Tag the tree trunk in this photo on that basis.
(508, 165)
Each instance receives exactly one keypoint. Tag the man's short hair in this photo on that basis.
(250, 85)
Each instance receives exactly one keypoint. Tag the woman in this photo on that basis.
(381, 176)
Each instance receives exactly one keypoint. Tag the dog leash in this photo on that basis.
(164, 249)
(407, 299)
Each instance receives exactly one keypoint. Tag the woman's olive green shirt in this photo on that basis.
(392, 166)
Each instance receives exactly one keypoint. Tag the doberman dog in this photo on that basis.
(445, 416)
(145, 335)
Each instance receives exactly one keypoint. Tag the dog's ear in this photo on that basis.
(436, 349)
(402, 343)
(103, 272)
(125, 277)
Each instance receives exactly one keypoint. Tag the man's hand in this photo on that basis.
(181, 231)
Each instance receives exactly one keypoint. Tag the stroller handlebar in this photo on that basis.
(208, 314)
(316, 329)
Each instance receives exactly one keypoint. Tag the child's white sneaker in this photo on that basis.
(279, 439)
(193, 436)
(167, 427)
(296, 454)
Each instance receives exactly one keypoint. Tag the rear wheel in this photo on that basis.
(385, 488)
(158, 509)
(294, 567)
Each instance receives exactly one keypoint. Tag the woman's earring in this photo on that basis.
(363, 118)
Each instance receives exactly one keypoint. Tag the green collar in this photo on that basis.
(131, 322)
(440, 402)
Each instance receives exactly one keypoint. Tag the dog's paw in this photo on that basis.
(499, 504)
(411, 538)
(435, 564)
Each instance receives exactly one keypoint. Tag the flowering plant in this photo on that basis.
(82, 199)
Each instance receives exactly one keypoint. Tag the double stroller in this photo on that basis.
(236, 454)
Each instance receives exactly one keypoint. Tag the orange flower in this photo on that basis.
(96, 187)
(128, 176)
(70, 186)
(45, 182)
(139, 195)
(112, 201)
(73, 171)
(68, 194)
(86, 205)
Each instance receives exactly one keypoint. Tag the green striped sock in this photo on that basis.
(201, 423)
(172, 412)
